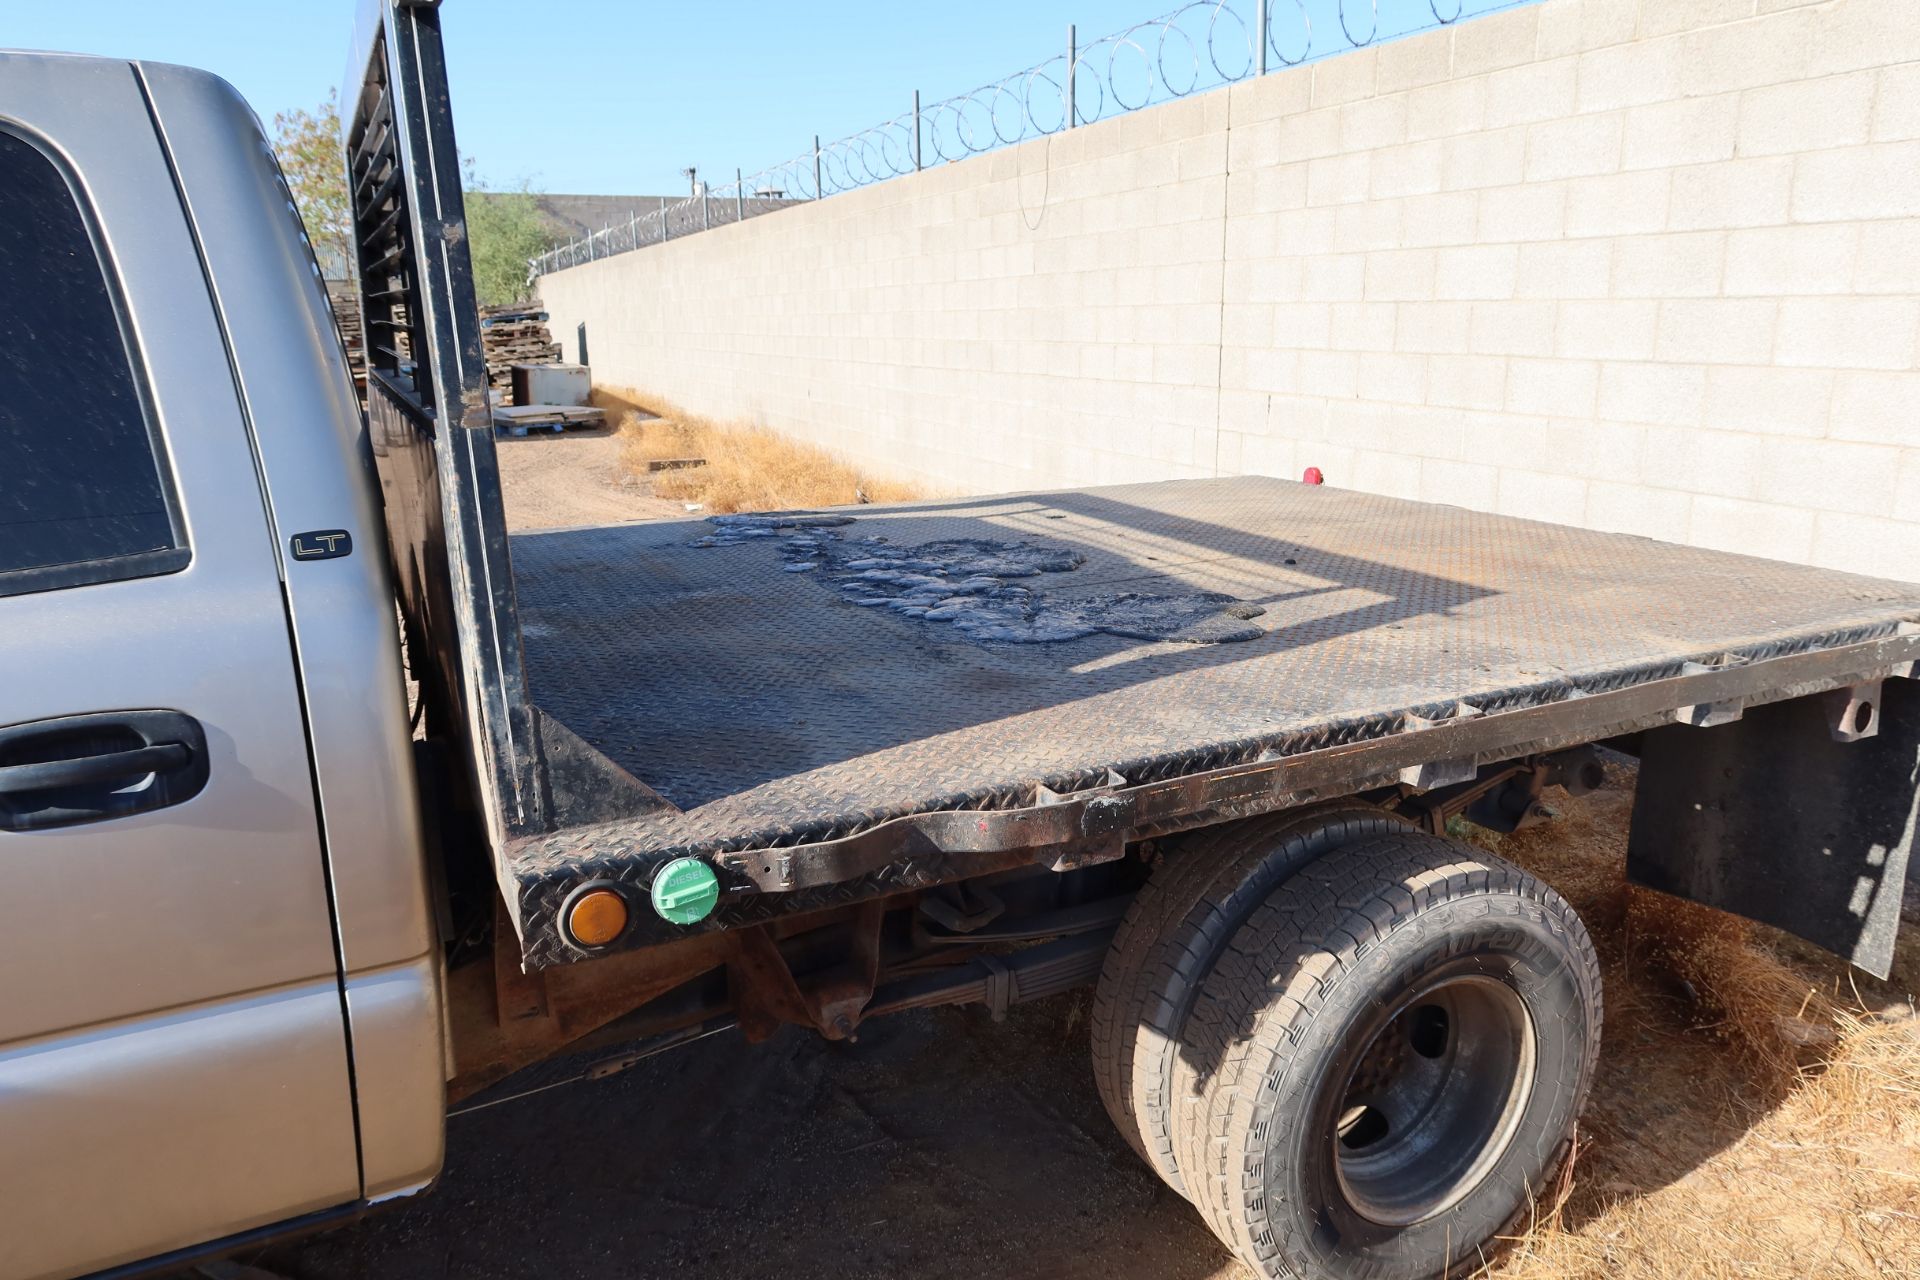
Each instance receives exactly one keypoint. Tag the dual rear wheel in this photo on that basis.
(1358, 1049)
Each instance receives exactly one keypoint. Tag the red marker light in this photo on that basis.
(1312, 476)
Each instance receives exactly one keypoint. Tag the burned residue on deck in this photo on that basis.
(964, 582)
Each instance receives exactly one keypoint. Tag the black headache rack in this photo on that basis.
(432, 439)
(1405, 645)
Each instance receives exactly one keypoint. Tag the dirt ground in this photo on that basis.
(553, 481)
(943, 1145)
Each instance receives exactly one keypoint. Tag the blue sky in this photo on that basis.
(604, 97)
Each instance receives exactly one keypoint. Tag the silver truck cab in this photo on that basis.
(221, 999)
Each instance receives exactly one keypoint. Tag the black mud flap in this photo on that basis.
(1799, 814)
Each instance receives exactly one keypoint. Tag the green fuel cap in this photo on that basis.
(685, 890)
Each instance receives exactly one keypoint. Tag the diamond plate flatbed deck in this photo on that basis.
(773, 711)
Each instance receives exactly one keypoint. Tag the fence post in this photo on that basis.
(706, 211)
(916, 131)
(1073, 59)
(817, 193)
(633, 228)
(739, 197)
(1260, 38)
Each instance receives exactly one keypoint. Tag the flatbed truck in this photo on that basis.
(281, 881)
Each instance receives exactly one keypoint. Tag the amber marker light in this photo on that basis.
(597, 918)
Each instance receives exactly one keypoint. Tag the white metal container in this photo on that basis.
(566, 384)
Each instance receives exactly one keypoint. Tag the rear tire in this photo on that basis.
(1165, 948)
(1391, 1056)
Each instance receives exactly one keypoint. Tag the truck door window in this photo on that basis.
(85, 494)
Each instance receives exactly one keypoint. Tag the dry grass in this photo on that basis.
(746, 468)
(1757, 1110)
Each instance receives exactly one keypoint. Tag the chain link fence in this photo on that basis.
(1199, 46)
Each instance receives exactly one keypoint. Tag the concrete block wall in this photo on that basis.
(1644, 265)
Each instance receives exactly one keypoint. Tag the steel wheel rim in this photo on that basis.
(1433, 1099)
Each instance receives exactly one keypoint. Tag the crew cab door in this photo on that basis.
(173, 1060)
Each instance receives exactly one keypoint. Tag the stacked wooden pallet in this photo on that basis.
(510, 336)
(346, 314)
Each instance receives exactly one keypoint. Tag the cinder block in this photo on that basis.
(1467, 382)
(1554, 269)
(1896, 113)
(1666, 17)
(1773, 401)
(1449, 108)
(1848, 333)
(1541, 495)
(1268, 455)
(1301, 231)
(1269, 97)
(1660, 394)
(1440, 328)
(1628, 75)
(1393, 475)
(1867, 544)
(1269, 370)
(1606, 330)
(1619, 204)
(1736, 193)
(1686, 264)
(1397, 379)
(1852, 34)
(1807, 115)
(1476, 272)
(1594, 449)
(1576, 146)
(1830, 475)
(1574, 26)
(1617, 507)
(1347, 77)
(1308, 135)
(1335, 278)
(1723, 463)
(1252, 147)
(1530, 212)
(1496, 41)
(1532, 92)
(1496, 158)
(1368, 225)
(1877, 408)
(1880, 180)
(1716, 330)
(1338, 179)
(1744, 55)
(1362, 326)
(1687, 131)
(1373, 122)
(1409, 169)
(1556, 388)
(1302, 325)
(1440, 218)
(1414, 61)
(1781, 261)
(1473, 485)
(1333, 374)
(1906, 500)
(1513, 328)
(1297, 418)
(1403, 275)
